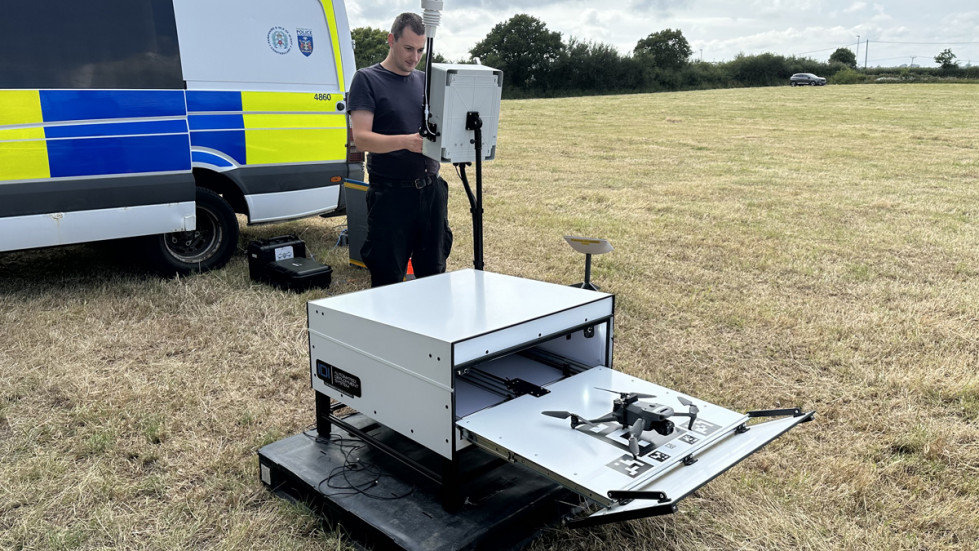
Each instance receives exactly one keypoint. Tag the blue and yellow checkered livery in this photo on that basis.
(64, 133)
(75, 133)
(258, 128)
(78, 135)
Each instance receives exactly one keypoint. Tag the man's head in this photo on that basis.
(406, 43)
(408, 20)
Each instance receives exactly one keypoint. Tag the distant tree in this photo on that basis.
(593, 67)
(760, 70)
(522, 48)
(946, 59)
(844, 56)
(667, 49)
(370, 46)
(439, 58)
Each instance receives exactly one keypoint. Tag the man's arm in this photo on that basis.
(367, 140)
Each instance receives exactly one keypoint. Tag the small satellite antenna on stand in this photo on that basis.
(588, 246)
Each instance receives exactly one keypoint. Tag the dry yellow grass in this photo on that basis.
(774, 247)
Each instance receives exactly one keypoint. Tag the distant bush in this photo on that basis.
(847, 76)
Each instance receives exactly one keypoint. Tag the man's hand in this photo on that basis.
(414, 143)
(362, 123)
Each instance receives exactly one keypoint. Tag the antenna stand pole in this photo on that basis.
(474, 123)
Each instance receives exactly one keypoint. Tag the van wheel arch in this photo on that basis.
(223, 185)
(208, 247)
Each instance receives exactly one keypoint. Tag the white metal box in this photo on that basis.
(474, 357)
(458, 90)
(399, 354)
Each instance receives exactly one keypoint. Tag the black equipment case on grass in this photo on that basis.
(264, 251)
(300, 274)
(281, 261)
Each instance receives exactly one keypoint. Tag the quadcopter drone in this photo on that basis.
(635, 416)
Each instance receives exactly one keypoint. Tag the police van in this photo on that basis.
(164, 118)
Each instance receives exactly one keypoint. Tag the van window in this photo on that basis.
(109, 44)
(267, 46)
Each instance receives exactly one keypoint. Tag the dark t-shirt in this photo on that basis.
(397, 103)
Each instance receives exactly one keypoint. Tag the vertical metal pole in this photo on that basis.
(474, 123)
(587, 272)
(322, 414)
(450, 489)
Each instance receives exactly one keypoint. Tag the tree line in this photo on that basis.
(536, 62)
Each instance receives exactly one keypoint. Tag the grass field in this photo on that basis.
(814, 247)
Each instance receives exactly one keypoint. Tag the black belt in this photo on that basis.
(417, 183)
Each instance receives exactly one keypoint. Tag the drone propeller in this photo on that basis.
(575, 418)
(692, 411)
(624, 395)
(634, 432)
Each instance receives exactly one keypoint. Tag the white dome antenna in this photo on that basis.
(431, 15)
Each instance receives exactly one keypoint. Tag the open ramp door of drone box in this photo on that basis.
(594, 459)
(472, 358)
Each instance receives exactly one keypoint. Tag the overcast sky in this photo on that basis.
(718, 30)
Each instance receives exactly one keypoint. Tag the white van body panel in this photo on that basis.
(223, 47)
(65, 228)
(275, 207)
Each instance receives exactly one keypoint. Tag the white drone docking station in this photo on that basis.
(470, 409)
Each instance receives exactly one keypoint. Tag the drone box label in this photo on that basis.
(338, 378)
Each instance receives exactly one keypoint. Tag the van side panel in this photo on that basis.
(97, 44)
(217, 129)
(331, 21)
(343, 46)
(256, 45)
(94, 141)
(292, 128)
(57, 195)
(266, 103)
(23, 153)
(62, 228)
(116, 132)
(100, 129)
(63, 151)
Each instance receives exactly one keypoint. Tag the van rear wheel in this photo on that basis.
(207, 247)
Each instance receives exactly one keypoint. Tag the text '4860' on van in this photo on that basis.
(164, 118)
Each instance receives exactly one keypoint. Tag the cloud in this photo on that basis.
(716, 29)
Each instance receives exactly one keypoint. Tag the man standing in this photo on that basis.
(407, 201)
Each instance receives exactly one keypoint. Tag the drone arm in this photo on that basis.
(691, 415)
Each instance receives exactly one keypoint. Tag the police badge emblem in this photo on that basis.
(280, 40)
(305, 39)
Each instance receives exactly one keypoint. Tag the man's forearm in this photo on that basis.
(372, 142)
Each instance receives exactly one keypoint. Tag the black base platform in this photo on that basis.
(505, 507)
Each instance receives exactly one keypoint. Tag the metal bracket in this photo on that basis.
(521, 387)
(794, 412)
(660, 497)
(473, 121)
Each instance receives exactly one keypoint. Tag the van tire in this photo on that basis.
(208, 247)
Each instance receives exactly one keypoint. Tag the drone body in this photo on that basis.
(635, 416)
(627, 411)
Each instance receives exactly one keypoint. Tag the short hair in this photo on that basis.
(410, 20)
